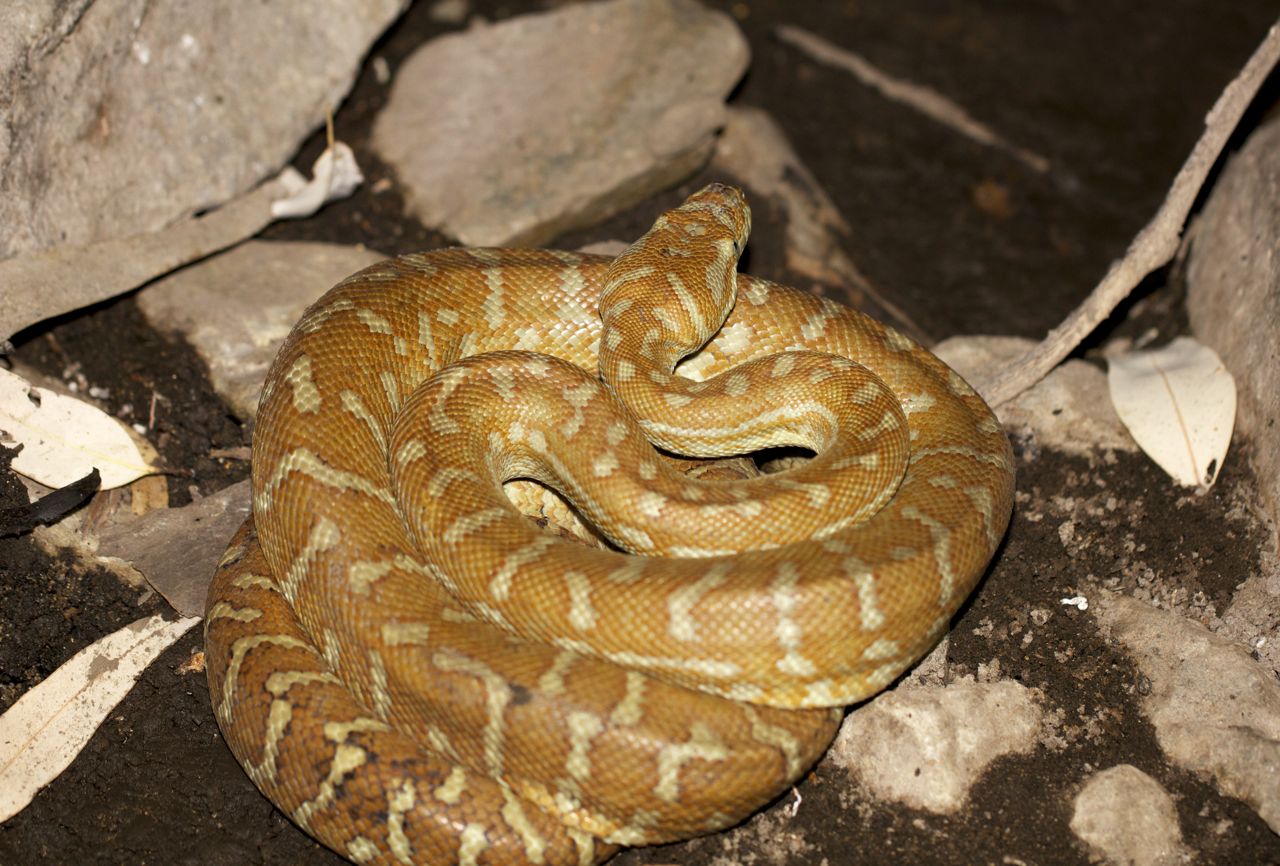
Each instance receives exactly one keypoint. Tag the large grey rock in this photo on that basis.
(118, 116)
(514, 132)
(1233, 292)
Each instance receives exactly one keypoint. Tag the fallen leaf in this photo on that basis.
(1179, 403)
(63, 439)
(43, 732)
(335, 175)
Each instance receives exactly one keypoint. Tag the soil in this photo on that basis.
(963, 237)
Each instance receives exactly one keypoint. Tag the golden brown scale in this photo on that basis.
(502, 695)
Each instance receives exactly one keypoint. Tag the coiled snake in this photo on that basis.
(415, 672)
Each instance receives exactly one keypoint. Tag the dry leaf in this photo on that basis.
(335, 175)
(1179, 402)
(43, 732)
(63, 438)
(148, 494)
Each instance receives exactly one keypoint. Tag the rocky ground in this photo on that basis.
(1109, 692)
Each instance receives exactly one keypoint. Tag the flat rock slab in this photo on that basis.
(511, 133)
(237, 308)
(1069, 410)
(926, 746)
(178, 549)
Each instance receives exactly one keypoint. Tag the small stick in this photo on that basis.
(1154, 245)
(925, 100)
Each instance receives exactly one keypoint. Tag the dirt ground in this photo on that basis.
(962, 237)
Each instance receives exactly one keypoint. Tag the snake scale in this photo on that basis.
(415, 672)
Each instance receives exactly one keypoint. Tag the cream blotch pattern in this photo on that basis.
(415, 672)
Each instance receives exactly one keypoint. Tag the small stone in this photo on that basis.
(1069, 410)
(1215, 710)
(927, 746)
(1126, 817)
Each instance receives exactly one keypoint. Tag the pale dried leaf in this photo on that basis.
(335, 175)
(1179, 403)
(63, 438)
(43, 732)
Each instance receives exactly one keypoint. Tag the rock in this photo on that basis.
(1214, 709)
(1127, 818)
(514, 132)
(162, 110)
(1233, 292)
(755, 150)
(926, 746)
(450, 11)
(1069, 410)
(1253, 619)
(236, 308)
(178, 549)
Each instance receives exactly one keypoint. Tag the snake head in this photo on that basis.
(719, 209)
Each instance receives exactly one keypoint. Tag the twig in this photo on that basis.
(1154, 245)
(923, 99)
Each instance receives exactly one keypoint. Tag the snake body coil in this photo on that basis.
(415, 672)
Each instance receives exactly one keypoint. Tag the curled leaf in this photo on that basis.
(49, 508)
(335, 175)
(1179, 403)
